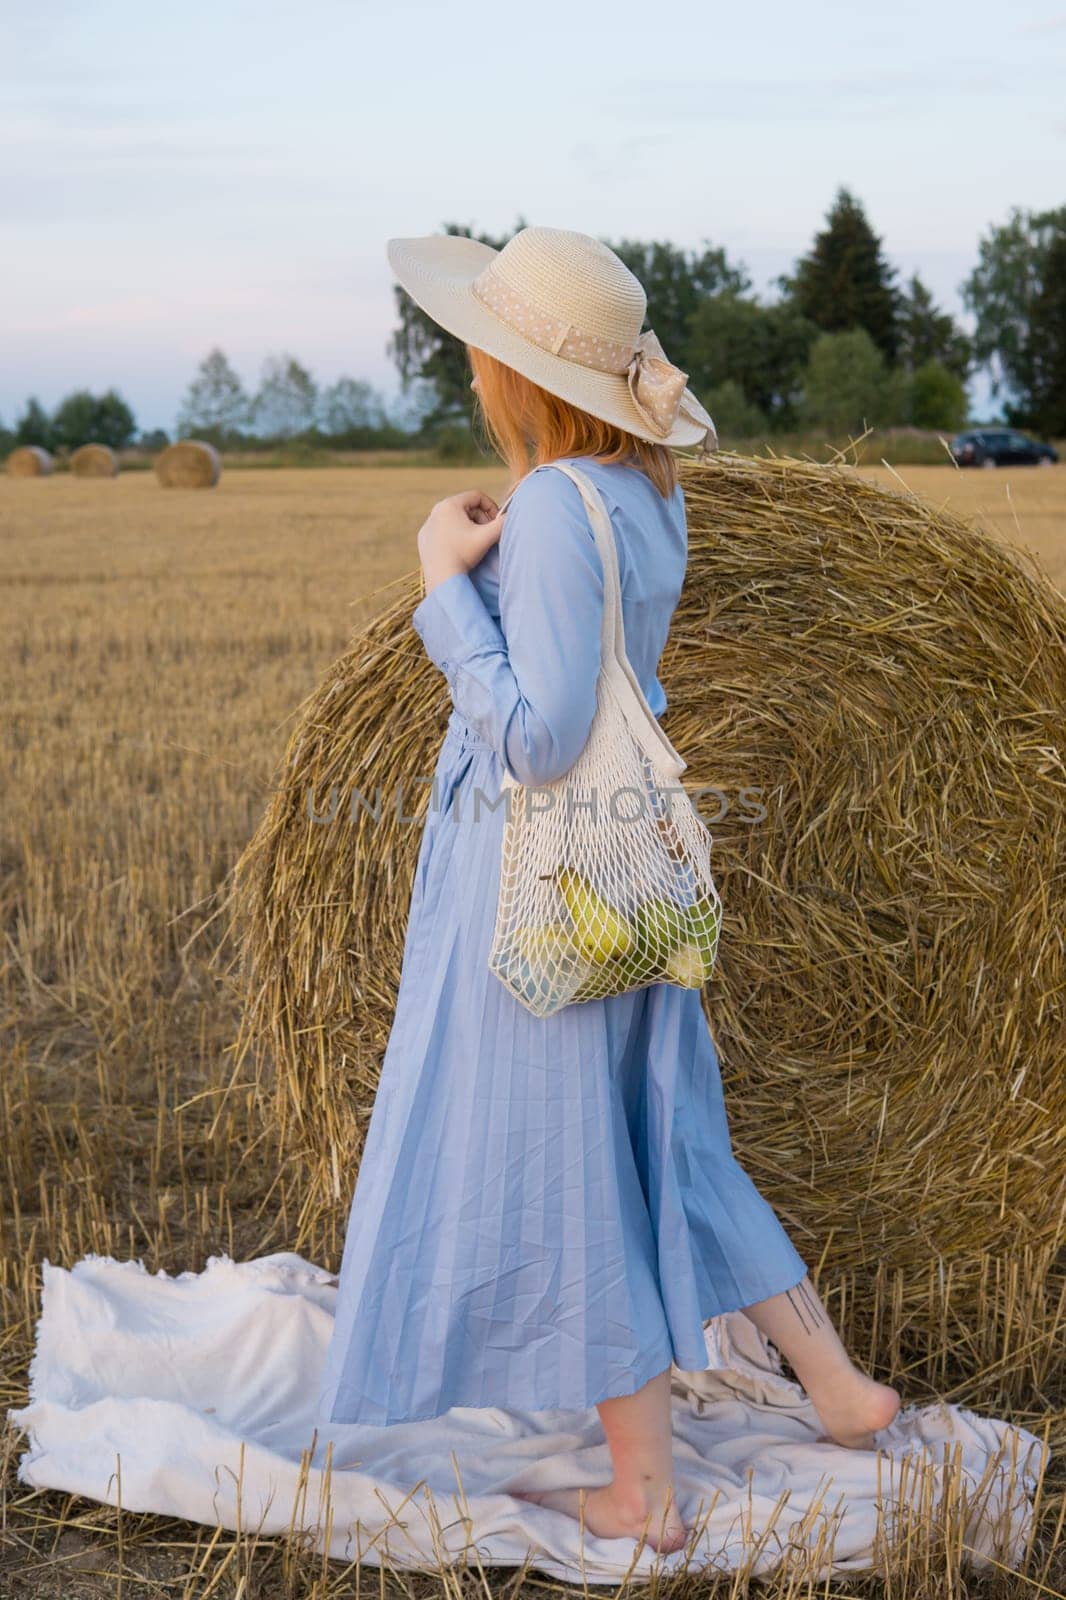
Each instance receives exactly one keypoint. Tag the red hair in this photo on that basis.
(527, 426)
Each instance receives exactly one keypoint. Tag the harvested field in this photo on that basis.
(156, 652)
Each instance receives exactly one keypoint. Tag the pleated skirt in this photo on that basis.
(547, 1209)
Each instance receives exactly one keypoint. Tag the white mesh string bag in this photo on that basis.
(605, 873)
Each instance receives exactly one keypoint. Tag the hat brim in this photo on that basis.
(438, 270)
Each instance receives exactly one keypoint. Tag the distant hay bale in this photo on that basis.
(29, 461)
(890, 1000)
(188, 464)
(94, 461)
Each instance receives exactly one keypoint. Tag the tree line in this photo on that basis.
(288, 404)
(842, 347)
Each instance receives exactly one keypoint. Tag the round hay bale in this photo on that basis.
(188, 464)
(94, 461)
(29, 461)
(876, 689)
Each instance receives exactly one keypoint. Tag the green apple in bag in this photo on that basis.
(686, 967)
(660, 927)
(692, 963)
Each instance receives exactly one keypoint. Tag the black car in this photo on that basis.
(1000, 447)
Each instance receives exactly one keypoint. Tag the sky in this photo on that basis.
(175, 178)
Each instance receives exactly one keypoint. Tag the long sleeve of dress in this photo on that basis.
(526, 684)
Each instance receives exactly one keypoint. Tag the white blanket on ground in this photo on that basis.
(200, 1387)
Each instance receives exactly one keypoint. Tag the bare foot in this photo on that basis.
(610, 1515)
(854, 1408)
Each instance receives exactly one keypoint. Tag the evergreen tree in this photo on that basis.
(845, 282)
(928, 334)
(215, 402)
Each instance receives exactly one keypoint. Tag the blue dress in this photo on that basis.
(547, 1209)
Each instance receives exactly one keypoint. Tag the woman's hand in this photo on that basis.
(456, 534)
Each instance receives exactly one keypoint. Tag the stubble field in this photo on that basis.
(155, 646)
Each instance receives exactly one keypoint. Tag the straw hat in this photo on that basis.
(566, 312)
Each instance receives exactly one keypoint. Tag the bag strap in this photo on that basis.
(641, 718)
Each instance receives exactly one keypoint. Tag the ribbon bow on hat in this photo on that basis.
(656, 386)
(658, 390)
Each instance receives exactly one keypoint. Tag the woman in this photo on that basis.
(548, 1209)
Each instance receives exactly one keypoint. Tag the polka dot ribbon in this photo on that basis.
(657, 388)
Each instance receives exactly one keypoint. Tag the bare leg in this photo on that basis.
(851, 1406)
(639, 1500)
